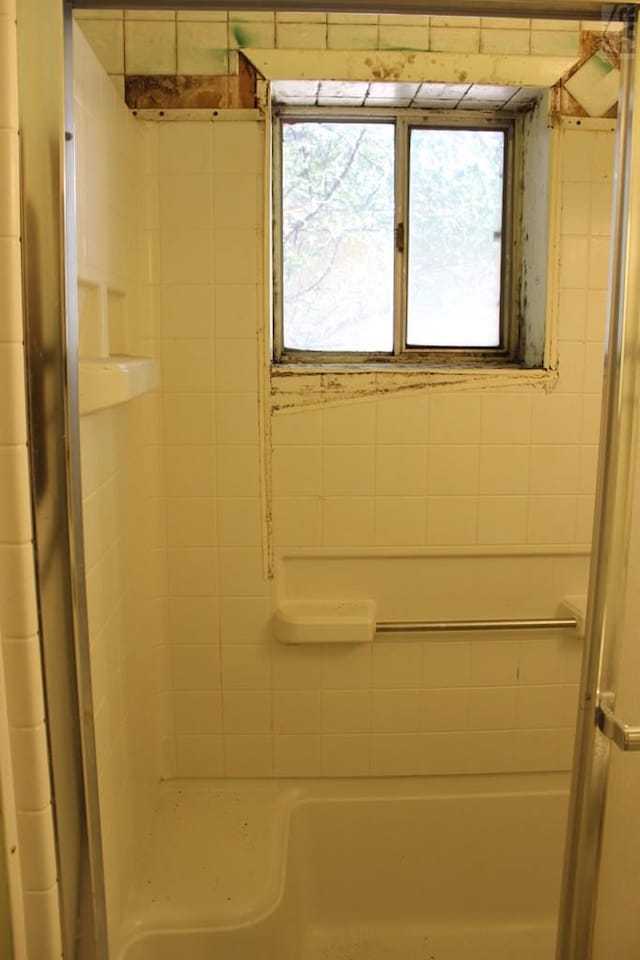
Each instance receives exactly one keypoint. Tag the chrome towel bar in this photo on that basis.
(451, 626)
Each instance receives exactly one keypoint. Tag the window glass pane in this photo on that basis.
(455, 224)
(337, 226)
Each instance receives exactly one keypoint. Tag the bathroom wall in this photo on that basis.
(124, 581)
(439, 472)
(496, 469)
(27, 807)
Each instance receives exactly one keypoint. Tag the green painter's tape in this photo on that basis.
(241, 35)
(602, 66)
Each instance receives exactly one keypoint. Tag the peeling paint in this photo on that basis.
(170, 92)
(247, 83)
(607, 46)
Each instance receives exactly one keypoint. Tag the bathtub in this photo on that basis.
(438, 868)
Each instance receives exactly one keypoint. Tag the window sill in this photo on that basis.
(295, 385)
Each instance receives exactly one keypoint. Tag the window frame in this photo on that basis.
(403, 355)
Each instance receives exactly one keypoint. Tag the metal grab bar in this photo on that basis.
(450, 626)
(624, 736)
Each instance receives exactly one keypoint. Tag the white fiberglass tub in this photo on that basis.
(445, 868)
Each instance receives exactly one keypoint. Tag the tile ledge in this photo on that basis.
(109, 381)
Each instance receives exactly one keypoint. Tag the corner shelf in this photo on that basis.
(108, 381)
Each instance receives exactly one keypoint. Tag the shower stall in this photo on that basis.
(339, 668)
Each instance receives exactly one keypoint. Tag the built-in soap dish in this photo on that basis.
(108, 381)
(575, 606)
(325, 621)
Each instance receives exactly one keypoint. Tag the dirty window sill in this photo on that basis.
(303, 384)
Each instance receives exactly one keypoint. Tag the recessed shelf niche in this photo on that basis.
(108, 375)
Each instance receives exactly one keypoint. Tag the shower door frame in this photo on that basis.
(57, 132)
(49, 274)
(597, 727)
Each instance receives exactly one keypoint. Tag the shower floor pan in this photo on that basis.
(438, 868)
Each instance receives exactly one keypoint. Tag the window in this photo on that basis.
(394, 236)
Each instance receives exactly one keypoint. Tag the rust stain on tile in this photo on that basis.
(555, 101)
(568, 106)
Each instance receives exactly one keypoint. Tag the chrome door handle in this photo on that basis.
(625, 737)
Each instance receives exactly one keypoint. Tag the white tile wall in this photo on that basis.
(123, 509)
(447, 469)
(495, 468)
